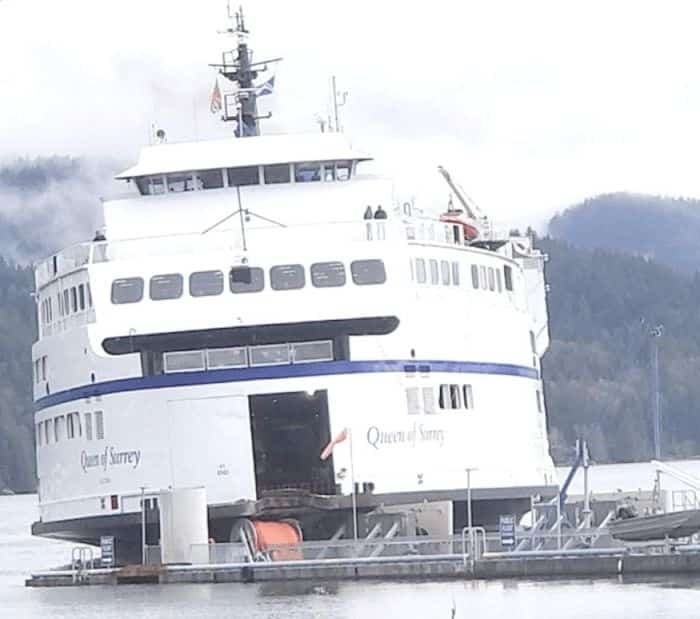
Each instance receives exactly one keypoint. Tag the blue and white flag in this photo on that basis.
(266, 88)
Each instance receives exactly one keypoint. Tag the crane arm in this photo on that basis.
(471, 209)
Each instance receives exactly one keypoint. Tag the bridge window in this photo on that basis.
(343, 170)
(275, 174)
(127, 290)
(429, 400)
(492, 279)
(206, 283)
(327, 274)
(238, 177)
(150, 185)
(412, 401)
(66, 302)
(209, 179)
(287, 277)
(306, 352)
(307, 172)
(421, 275)
(188, 361)
(180, 182)
(455, 273)
(73, 421)
(227, 358)
(58, 426)
(274, 354)
(499, 286)
(468, 396)
(246, 279)
(81, 296)
(39, 433)
(482, 278)
(168, 286)
(73, 299)
(368, 272)
(47, 431)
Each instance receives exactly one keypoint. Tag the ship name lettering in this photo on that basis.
(418, 433)
(124, 457)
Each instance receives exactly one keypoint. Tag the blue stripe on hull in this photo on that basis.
(327, 368)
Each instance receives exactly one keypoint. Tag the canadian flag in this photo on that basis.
(339, 438)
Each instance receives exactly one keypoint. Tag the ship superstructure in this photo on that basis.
(242, 312)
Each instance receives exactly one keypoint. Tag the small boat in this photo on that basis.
(659, 526)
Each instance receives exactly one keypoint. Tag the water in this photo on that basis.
(655, 598)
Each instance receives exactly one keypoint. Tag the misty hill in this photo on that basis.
(49, 203)
(663, 229)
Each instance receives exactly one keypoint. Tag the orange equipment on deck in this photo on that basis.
(279, 539)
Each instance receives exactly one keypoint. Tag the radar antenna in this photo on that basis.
(238, 68)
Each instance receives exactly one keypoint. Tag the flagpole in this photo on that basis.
(354, 497)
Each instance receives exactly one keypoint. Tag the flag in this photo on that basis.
(266, 88)
(339, 438)
(215, 103)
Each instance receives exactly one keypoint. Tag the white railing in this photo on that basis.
(395, 229)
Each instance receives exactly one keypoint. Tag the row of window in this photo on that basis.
(244, 279)
(450, 397)
(69, 427)
(40, 369)
(218, 178)
(247, 356)
(447, 273)
(70, 301)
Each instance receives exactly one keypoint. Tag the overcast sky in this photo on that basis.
(533, 105)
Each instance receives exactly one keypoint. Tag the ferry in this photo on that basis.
(265, 318)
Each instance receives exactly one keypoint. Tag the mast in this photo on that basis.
(237, 67)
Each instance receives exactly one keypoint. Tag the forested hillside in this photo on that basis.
(666, 230)
(597, 369)
(17, 469)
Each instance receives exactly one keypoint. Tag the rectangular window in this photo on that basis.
(327, 274)
(421, 276)
(434, 272)
(482, 278)
(287, 277)
(307, 172)
(81, 296)
(239, 177)
(127, 290)
(47, 431)
(37, 375)
(275, 174)
(180, 182)
(150, 185)
(492, 279)
(66, 302)
(499, 286)
(343, 170)
(455, 273)
(209, 179)
(429, 400)
(445, 272)
(58, 425)
(73, 299)
(468, 396)
(167, 286)
(39, 433)
(50, 309)
(59, 301)
(187, 361)
(70, 426)
(246, 279)
(329, 171)
(44, 361)
(206, 283)
(475, 276)
(368, 272)
(99, 426)
(88, 426)
(89, 294)
(274, 354)
(455, 397)
(444, 397)
(308, 352)
(412, 401)
(508, 277)
(227, 358)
